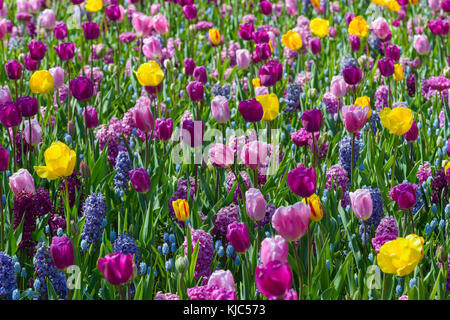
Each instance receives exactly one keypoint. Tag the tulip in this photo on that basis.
(386, 66)
(316, 209)
(195, 91)
(292, 40)
(60, 162)
(152, 48)
(143, 117)
(189, 66)
(270, 104)
(261, 36)
(181, 209)
(4, 159)
(398, 120)
(41, 82)
(262, 52)
(113, 12)
(220, 109)
(312, 120)
(214, 37)
(237, 235)
(192, 132)
(150, 74)
(37, 50)
(10, 115)
(319, 27)
(142, 24)
(58, 74)
(246, 31)
(274, 249)
(251, 110)
(273, 279)
(355, 42)
(13, 69)
(222, 279)
(60, 30)
(91, 30)
(380, 28)
(445, 5)
(47, 19)
(362, 203)
(90, 117)
(266, 7)
(82, 88)
(65, 51)
(140, 180)
(93, 5)
(190, 12)
(302, 181)
(364, 102)
(117, 268)
(292, 222)
(398, 72)
(221, 155)
(421, 44)
(163, 129)
(354, 117)
(439, 27)
(404, 194)
(200, 74)
(315, 46)
(358, 27)
(30, 64)
(243, 58)
(160, 24)
(338, 86)
(392, 51)
(255, 204)
(255, 154)
(36, 132)
(270, 73)
(352, 75)
(22, 181)
(61, 250)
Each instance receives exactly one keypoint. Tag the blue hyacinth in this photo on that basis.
(126, 244)
(345, 154)
(8, 282)
(123, 166)
(94, 210)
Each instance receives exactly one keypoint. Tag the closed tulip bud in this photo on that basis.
(36, 132)
(270, 104)
(352, 75)
(274, 249)
(10, 115)
(4, 159)
(84, 169)
(152, 48)
(292, 222)
(61, 250)
(237, 235)
(30, 64)
(340, 193)
(181, 209)
(302, 181)
(90, 117)
(404, 194)
(338, 86)
(413, 133)
(392, 51)
(160, 23)
(251, 110)
(41, 82)
(114, 12)
(243, 58)
(266, 7)
(441, 255)
(439, 142)
(117, 268)
(60, 30)
(220, 109)
(140, 180)
(195, 91)
(255, 154)
(362, 203)
(255, 204)
(82, 88)
(386, 67)
(37, 50)
(70, 128)
(58, 74)
(28, 106)
(214, 37)
(22, 181)
(273, 279)
(65, 51)
(355, 42)
(200, 74)
(315, 46)
(313, 93)
(192, 132)
(91, 30)
(221, 155)
(315, 206)
(312, 120)
(189, 66)
(181, 264)
(163, 129)
(168, 64)
(13, 69)
(190, 11)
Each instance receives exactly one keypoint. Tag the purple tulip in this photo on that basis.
(439, 27)
(352, 75)
(312, 120)
(28, 106)
(143, 117)
(113, 12)
(91, 30)
(140, 180)
(270, 73)
(255, 204)
(163, 129)
(190, 12)
(266, 7)
(10, 115)
(362, 203)
(246, 31)
(4, 159)
(192, 132)
(60, 30)
(386, 66)
(273, 279)
(195, 91)
(91, 120)
(117, 268)
(315, 46)
(200, 74)
(445, 5)
(448, 147)
(22, 181)
(61, 250)
(349, 17)
(262, 52)
(189, 66)
(404, 194)
(31, 64)
(355, 42)
(237, 235)
(65, 50)
(37, 50)
(274, 249)
(261, 36)
(413, 133)
(82, 88)
(13, 69)
(392, 51)
(302, 181)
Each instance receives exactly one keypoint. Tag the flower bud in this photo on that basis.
(181, 264)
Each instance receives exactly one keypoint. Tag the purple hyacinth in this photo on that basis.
(205, 252)
(377, 213)
(382, 97)
(331, 102)
(387, 230)
(126, 244)
(94, 210)
(224, 217)
(438, 185)
(411, 85)
(166, 296)
(8, 281)
(337, 177)
(123, 166)
(447, 284)
(74, 188)
(292, 97)
(230, 182)
(424, 172)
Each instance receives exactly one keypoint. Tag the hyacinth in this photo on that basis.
(230, 182)
(292, 97)
(377, 213)
(270, 210)
(166, 296)
(345, 154)
(438, 185)
(424, 172)
(218, 90)
(387, 230)
(374, 43)
(331, 102)
(8, 281)
(447, 284)
(123, 165)
(22, 147)
(94, 210)
(419, 201)
(411, 84)
(301, 137)
(105, 136)
(45, 270)
(74, 188)
(337, 177)
(224, 217)
(181, 193)
(126, 244)
(30, 207)
(374, 120)
(210, 293)
(346, 61)
(205, 252)
(382, 97)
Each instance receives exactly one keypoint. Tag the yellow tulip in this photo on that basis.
(379, 2)
(315, 3)
(41, 82)
(398, 72)
(401, 256)
(413, 1)
(393, 5)
(149, 74)
(320, 27)
(270, 105)
(358, 27)
(316, 208)
(447, 168)
(398, 120)
(292, 40)
(256, 82)
(59, 162)
(94, 5)
(181, 208)
(214, 36)
(363, 102)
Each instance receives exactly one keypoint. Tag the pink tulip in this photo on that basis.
(292, 222)
(380, 28)
(243, 58)
(338, 86)
(5, 95)
(142, 115)
(36, 132)
(362, 203)
(160, 24)
(220, 109)
(255, 204)
(21, 181)
(254, 154)
(47, 19)
(58, 74)
(354, 117)
(222, 279)
(34, 5)
(142, 24)
(154, 9)
(221, 155)
(291, 7)
(117, 268)
(152, 48)
(274, 249)
(421, 44)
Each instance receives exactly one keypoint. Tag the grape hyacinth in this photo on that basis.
(292, 97)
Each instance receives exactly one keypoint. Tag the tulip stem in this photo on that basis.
(256, 129)
(67, 205)
(29, 151)
(13, 142)
(147, 147)
(2, 217)
(120, 292)
(85, 127)
(309, 257)
(300, 281)
(365, 239)
(412, 219)
(217, 184)
(255, 178)
(117, 59)
(353, 159)
(393, 165)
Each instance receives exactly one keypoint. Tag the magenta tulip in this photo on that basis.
(352, 75)
(140, 180)
(143, 117)
(237, 235)
(312, 120)
(13, 69)
(273, 279)
(302, 181)
(82, 88)
(404, 194)
(10, 114)
(251, 110)
(61, 250)
(117, 268)
(90, 117)
(192, 132)
(163, 129)
(4, 159)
